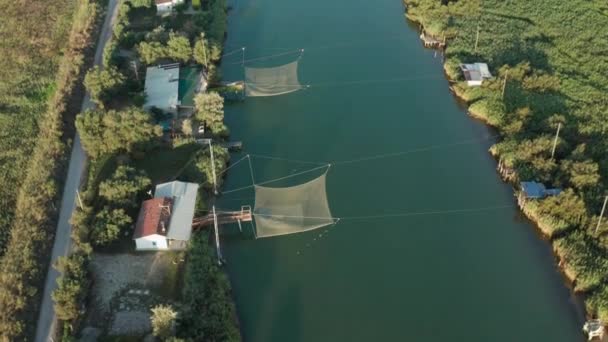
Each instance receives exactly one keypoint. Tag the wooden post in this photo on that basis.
(477, 39)
(504, 84)
(559, 125)
(599, 221)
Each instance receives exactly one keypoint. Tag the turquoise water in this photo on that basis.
(477, 275)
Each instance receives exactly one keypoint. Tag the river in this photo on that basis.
(480, 275)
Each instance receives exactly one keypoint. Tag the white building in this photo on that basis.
(166, 6)
(162, 87)
(475, 73)
(165, 222)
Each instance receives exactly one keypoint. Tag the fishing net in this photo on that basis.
(295, 209)
(272, 81)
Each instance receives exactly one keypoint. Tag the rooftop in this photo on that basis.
(162, 86)
(153, 217)
(475, 71)
(536, 190)
(184, 200)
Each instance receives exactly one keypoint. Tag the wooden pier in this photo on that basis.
(432, 42)
(224, 217)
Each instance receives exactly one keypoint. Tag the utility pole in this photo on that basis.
(504, 84)
(559, 126)
(213, 168)
(599, 221)
(134, 65)
(205, 50)
(79, 199)
(477, 39)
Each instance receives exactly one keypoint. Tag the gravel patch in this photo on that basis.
(112, 273)
(130, 323)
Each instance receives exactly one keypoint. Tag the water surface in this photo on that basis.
(471, 276)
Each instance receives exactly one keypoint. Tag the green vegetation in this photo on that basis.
(552, 56)
(163, 321)
(41, 67)
(123, 187)
(115, 131)
(124, 145)
(209, 314)
(210, 110)
(102, 85)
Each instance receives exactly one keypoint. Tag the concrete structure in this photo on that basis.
(162, 87)
(475, 73)
(165, 222)
(166, 6)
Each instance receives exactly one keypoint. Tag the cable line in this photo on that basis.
(403, 214)
(278, 179)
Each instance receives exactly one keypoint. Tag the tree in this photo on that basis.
(178, 48)
(200, 52)
(217, 27)
(150, 52)
(71, 286)
(103, 84)
(123, 187)
(163, 321)
(582, 174)
(142, 3)
(220, 158)
(105, 133)
(209, 107)
(108, 224)
(187, 127)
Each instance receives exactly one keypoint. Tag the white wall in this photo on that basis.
(151, 242)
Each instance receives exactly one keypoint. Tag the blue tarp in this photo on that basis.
(538, 190)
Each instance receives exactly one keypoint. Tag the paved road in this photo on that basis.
(46, 320)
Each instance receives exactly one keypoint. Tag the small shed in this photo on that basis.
(166, 6)
(162, 87)
(165, 222)
(535, 190)
(475, 73)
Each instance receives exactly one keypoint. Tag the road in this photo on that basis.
(47, 321)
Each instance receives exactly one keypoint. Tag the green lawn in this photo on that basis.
(164, 163)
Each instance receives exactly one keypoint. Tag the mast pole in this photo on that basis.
(559, 126)
(599, 221)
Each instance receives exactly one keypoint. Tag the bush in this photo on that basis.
(209, 314)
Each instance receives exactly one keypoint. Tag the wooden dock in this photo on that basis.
(225, 217)
(432, 42)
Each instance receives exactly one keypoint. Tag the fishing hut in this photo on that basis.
(432, 42)
(534, 191)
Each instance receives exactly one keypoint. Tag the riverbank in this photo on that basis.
(119, 176)
(534, 92)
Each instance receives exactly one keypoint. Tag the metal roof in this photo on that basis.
(162, 86)
(476, 71)
(184, 200)
(536, 190)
